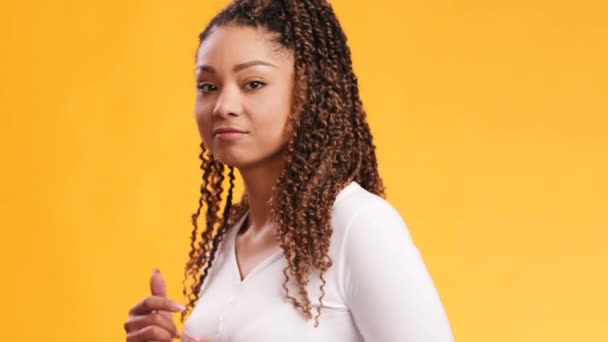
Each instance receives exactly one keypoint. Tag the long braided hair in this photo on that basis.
(330, 146)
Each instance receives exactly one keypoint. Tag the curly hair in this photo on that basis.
(330, 145)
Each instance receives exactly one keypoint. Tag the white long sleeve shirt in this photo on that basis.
(378, 289)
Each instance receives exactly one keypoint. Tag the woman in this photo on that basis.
(312, 252)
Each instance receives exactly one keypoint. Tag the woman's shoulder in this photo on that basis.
(361, 215)
(366, 228)
(354, 202)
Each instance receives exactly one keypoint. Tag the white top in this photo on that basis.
(378, 289)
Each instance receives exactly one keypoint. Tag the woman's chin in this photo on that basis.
(248, 160)
(231, 160)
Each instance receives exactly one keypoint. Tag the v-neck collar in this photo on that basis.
(260, 266)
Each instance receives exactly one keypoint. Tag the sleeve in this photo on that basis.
(388, 288)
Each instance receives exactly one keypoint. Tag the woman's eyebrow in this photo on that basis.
(237, 67)
(249, 64)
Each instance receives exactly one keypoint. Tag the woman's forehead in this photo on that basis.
(237, 43)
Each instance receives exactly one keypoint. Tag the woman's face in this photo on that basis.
(244, 95)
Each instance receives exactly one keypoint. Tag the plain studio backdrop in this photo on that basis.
(490, 122)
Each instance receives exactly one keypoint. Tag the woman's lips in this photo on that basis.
(228, 133)
(229, 136)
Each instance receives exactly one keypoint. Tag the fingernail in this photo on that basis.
(155, 270)
(179, 307)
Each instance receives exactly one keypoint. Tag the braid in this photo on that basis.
(203, 253)
(330, 145)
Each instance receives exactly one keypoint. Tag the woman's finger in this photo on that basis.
(155, 303)
(150, 333)
(135, 323)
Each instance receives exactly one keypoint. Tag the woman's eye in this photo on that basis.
(205, 87)
(254, 85)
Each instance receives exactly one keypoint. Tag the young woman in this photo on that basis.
(312, 252)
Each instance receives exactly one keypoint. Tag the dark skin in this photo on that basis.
(243, 82)
(246, 82)
(150, 319)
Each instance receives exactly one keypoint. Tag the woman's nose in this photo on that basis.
(228, 103)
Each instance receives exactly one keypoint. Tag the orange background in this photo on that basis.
(490, 121)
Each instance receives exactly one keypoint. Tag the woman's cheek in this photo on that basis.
(204, 128)
(207, 135)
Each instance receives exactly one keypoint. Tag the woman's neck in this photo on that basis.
(258, 181)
